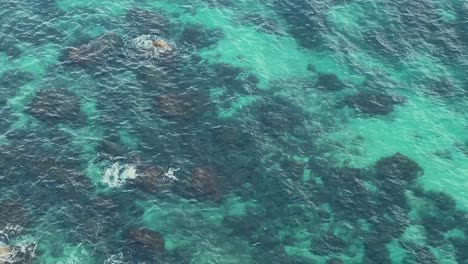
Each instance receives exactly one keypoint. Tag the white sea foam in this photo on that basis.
(170, 174)
(117, 174)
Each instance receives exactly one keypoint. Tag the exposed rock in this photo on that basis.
(55, 106)
(146, 239)
(162, 46)
(399, 167)
(95, 51)
(152, 45)
(17, 254)
(371, 103)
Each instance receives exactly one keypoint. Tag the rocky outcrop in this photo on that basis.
(23, 254)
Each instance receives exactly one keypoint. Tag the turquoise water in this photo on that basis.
(219, 131)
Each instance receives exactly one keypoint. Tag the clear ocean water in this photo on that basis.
(234, 132)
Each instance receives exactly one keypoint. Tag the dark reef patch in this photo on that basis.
(199, 37)
(305, 21)
(346, 192)
(149, 22)
(10, 47)
(328, 244)
(329, 82)
(14, 219)
(31, 29)
(262, 23)
(204, 183)
(278, 116)
(373, 104)
(96, 51)
(55, 105)
(15, 78)
(146, 240)
(182, 105)
(398, 167)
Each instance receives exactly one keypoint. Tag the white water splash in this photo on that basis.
(170, 174)
(117, 174)
(146, 44)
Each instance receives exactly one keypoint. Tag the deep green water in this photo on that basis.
(277, 131)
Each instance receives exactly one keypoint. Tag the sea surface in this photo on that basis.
(234, 132)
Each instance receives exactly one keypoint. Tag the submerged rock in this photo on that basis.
(17, 254)
(371, 103)
(199, 37)
(13, 218)
(263, 23)
(328, 244)
(335, 261)
(63, 176)
(305, 22)
(15, 78)
(146, 239)
(183, 105)
(55, 105)
(227, 75)
(399, 167)
(153, 78)
(205, 183)
(151, 178)
(95, 51)
(442, 201)
(111, 148)
(148, 21)
(232, 136)
(279, 116)
(10, 48)
(329, 82)
(245, 227)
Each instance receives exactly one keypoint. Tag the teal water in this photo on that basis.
(273, 131)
